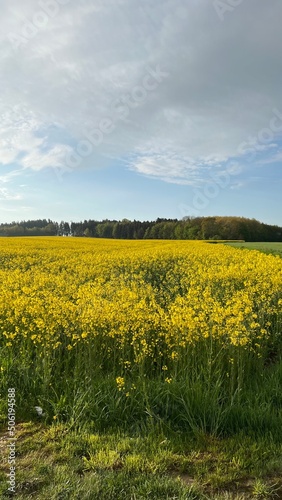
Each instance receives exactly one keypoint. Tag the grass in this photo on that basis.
(274, 248)
(179, 445)
(56, 462)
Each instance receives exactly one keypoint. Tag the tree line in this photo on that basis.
(188, 228)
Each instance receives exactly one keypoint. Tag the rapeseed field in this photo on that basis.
(120, 331)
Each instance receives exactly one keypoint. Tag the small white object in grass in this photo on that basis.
(39, 411)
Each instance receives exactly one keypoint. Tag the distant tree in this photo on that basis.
(190, 228)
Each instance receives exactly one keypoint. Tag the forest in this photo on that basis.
(188, 228)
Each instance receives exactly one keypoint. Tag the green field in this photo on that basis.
(266, 247)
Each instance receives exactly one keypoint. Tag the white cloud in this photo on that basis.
(9, 176)
(238, 185)
(38, 159)
(276, 158)
(5, 194)
(18, 129)
(170, 166)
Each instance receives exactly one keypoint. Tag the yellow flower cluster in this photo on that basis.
(135, 300)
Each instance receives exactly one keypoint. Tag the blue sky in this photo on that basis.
(125, 109)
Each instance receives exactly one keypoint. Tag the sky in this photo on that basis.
(140, 109)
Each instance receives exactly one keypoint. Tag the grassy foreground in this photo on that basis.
(149, 361)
